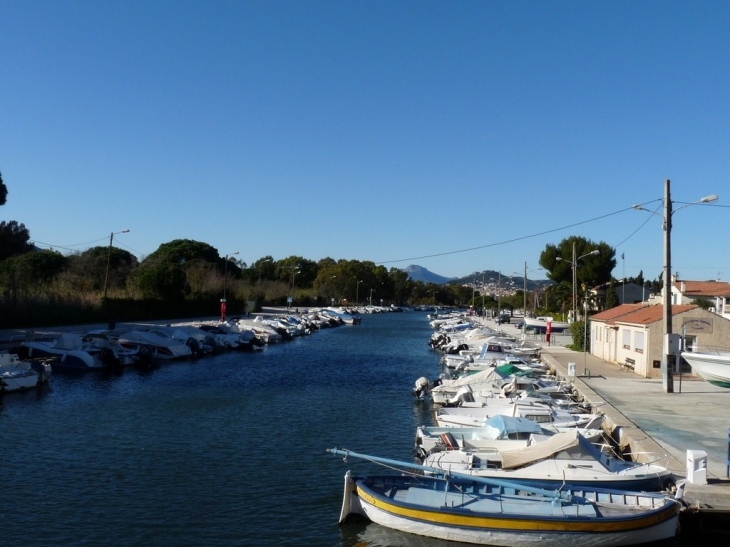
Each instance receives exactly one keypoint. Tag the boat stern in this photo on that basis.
(350, 500)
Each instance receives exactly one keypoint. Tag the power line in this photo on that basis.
(522, 238)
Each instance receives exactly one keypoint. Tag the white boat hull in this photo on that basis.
(712, 367)
(520, 529)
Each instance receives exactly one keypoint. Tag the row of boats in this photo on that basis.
(31, 361)
(515, 458)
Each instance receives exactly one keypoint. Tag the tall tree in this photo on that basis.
(13, 239)
(3, 191)
(591, 270)
(181, 251)
(611, 296)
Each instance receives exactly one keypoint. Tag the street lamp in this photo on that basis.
(295, 271)
(524, 285)
(371, 297)
(574, 265)
(484, 314)
(667, 355)
(108, 263)
(225, 279)
(357, 292)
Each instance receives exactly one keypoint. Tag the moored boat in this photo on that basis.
(69, 349)
(18, 375)
(540, 324)
(549, 462)
(455, 507)
(712, 365)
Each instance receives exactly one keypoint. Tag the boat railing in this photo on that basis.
(712, 350)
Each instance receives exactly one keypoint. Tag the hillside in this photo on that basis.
(490, 277)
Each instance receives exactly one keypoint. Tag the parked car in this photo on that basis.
(503, 318)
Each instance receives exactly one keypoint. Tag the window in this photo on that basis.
(627, 338)
(639, 341)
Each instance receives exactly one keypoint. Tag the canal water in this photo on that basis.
(226, 450)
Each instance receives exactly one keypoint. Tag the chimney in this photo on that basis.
(683, 287)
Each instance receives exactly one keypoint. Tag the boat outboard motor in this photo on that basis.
(194, 346)
(463, 395)
(422, 387)
(109, 357)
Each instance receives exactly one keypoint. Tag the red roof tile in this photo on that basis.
(703, 288)
(615, 312)
(638, 314)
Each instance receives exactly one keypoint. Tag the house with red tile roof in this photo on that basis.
(633, 334)
(717, 292)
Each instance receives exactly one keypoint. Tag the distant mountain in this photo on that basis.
(494, 278)
(419, 273)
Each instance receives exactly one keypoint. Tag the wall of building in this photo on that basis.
(708, 329)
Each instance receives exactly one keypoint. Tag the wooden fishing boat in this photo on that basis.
(457, 507)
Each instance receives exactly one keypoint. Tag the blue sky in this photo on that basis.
(460, 136)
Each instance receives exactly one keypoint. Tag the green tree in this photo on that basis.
(611, 296)
(3, 191)
(703, 302)
(591, 270)
(31, 273)
(94, 263)
(163, 281)
(578, 331)
(14, 239)
(181, 251)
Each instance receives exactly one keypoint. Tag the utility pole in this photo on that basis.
(667, 359)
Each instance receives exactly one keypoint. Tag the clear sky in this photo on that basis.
(459, 136)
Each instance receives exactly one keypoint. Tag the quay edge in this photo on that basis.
(706, 506)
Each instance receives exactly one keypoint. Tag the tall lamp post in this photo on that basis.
(225, 280)
(106, 278)
(667, 355)
(295, 271)
(484, 313)
(371, 297)
(574, 265)
(357, 292)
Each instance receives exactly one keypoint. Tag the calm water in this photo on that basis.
(227, 450)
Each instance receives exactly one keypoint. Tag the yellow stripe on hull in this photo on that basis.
(595, 525)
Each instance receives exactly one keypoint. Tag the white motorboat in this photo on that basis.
(261, 328)
(111, 352)
(551, 461)
(156, 344)
(69, 349)
(506, 431)
(712, 364)
(475, 416)
(500, 432)
(18, 375)
(540, 324)
(229, 335)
